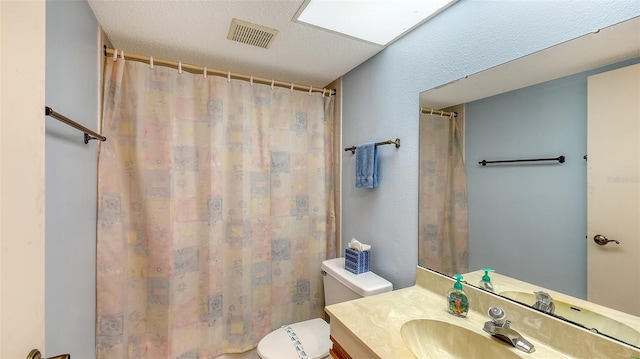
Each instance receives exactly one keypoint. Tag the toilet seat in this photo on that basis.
(313, 335)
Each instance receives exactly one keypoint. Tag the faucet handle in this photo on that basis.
(543, 296)
(544, 302)
(498, 316)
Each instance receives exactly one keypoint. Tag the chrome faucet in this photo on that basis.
(544, 302)
(500, 328)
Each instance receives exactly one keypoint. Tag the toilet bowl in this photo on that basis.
(310, 338)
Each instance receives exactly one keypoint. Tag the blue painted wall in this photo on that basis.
(380, 102)
(72, 89)
(529, 220)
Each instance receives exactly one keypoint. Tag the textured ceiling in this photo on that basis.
(610, 45)
(195, 32)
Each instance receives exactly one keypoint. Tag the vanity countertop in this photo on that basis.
(371, 327)
(375, 322)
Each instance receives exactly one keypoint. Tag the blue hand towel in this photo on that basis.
(366, 165)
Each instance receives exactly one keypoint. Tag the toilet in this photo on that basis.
(310, 338)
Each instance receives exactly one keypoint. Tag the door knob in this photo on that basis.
(602, 240)
(35, 354)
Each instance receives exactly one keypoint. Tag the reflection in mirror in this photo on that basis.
(528, 221)
(444, 242)
(607, 321)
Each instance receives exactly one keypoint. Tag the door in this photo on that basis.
(22, 247)
(613, 197)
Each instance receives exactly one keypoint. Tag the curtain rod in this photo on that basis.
(88, 134)
(431, 111)
(199, 69)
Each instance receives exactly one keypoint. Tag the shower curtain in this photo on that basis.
(215, 212)
(444, 230)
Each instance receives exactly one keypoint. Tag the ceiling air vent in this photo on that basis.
(251, 34)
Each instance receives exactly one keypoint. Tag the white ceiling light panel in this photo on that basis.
(376, 21)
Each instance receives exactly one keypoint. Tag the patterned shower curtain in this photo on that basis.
(444, 229)
(215, 212)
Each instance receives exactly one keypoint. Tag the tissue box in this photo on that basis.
(356, 262)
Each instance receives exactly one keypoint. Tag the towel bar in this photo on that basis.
(389, 142)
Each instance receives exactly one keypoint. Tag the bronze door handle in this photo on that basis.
(602, 240)
(35, 354)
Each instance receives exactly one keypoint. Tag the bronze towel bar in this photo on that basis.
(559, 159)
(389, 142)
(88, 134)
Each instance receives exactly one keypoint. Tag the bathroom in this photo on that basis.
(451, 46)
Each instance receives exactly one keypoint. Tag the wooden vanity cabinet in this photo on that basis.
(337, 351)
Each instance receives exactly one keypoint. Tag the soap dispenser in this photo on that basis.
(485, 282)
(457, 300)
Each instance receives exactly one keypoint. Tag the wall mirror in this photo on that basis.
(529, 221)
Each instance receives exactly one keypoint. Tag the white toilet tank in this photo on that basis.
(340, 285)
(312, 336)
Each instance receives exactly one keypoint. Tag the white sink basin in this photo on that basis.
(428, 338)
(586, 317)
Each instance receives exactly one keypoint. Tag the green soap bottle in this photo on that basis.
(485, 282)
(457, 300)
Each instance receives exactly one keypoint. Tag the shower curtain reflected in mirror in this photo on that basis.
(443, 243)
(215, 212)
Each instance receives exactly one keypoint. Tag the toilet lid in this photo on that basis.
(312, 334)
